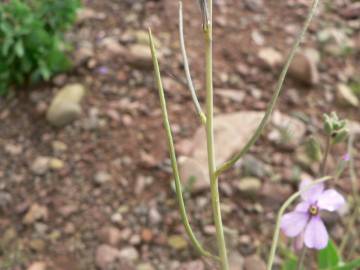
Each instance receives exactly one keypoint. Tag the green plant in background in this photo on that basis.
(58, 16)
(355, 86)
(32, 46)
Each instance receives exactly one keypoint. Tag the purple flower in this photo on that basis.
(305, 222)
(346, 157)
(103, 70)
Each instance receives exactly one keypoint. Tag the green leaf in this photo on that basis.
(355, 87)
(6, 45)
(44, 70)
(328, 257)
(348, 266)
(19, 48)
(290, 264)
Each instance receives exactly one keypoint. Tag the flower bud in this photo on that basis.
(335, 127)
(340, 136)
(328, 127)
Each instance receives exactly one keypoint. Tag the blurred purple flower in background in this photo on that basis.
(346, 157)
(305, 222)
(103, 70)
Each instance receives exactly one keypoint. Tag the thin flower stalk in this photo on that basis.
(174, 165)
(301, 258)
(282, 210)
(326, 154)
(227, 165)
(187, 68)
(353, 177)
(321, 172)
(215, 197)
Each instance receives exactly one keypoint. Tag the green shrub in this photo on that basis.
(57, 15)
(31, 40)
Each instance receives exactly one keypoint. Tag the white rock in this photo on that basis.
(112, 46)
(232, 132)
(140, 56)
(59, 147)
(129, 253)
(258, 38)
(65, 107)
(35, 213)
(107, 257)
(294, 128)
(56, 164)
(232, 94)
(249, 185)
(270, 56)
(102, 177)
(313, 54)
(63, 113)
(346, 96)
(40, 165)
(154, 216)
(142, 37)
(192, 170)
(37, 266)
(13, 149)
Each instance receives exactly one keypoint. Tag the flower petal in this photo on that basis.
(330, 200)
(316, 235)
(310, 194)
(302, 207)
(293, 223)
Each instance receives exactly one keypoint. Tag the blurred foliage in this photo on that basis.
(313, 149)
(58, 16)
(355, 87)
(32, 44)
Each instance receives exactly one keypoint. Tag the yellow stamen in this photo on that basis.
(313, 210)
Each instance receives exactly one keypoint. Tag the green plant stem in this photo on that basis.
(215, 197)
(174, 165)
(282, 210)
(187, 68)
(301, 259)
(354, 186)
(227, 165)
(326, 154)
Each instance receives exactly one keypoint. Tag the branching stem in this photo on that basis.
(174, 165)
(187, 68)
(227, 165)
(215, 197)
